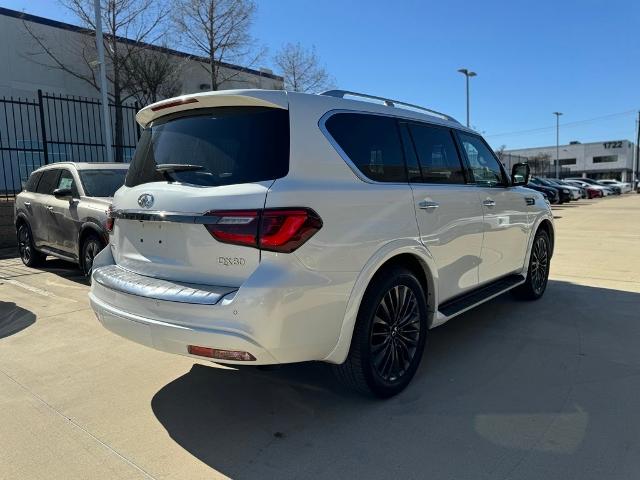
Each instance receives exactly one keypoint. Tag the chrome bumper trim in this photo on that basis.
(162, 216)
(121, 280)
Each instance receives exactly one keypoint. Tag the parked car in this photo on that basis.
(307, 227)
(624, 187)
(62, 212)
(575, 192)
(611, 189)
(594, 185)
(564, 194)
(551, 194)
(591, 191)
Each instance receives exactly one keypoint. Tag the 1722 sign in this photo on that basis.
(612, 144)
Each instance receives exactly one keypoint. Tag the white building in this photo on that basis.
(25, 68)
(598, 160)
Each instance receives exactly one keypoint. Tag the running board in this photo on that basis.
(464, 302)
(57, 254)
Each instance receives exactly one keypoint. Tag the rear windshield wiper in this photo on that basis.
(166, 169)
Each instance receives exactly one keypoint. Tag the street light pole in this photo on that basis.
(467, 74)
(636, 160)
(557, 114)
(106, 118)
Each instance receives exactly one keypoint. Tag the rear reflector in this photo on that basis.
(221, 354)
(174, 103)
(274, 229)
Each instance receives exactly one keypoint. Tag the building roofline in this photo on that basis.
(510, 150)
(7, 12)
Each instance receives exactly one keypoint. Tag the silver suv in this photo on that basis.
(62, 211)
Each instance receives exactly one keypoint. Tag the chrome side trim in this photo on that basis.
(124, 281)
(162, 216)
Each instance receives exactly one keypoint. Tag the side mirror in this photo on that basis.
(63, 193)
(520, 174)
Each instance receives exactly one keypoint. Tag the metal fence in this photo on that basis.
(543, 167)
(56, 128)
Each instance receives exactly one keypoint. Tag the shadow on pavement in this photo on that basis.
(63, 269)
(14, 319)
(547, 389)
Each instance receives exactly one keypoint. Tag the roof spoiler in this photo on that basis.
(222, 98)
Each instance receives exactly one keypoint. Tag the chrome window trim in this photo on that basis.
(117, 278)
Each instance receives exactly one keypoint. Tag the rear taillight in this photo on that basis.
(284, 230)
(277, 229)
(239, 227)
(108, 224)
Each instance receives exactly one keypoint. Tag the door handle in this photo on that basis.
(426, 205)
(489, 203)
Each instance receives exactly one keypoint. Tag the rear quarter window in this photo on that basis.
(372, 143)
(228, 145)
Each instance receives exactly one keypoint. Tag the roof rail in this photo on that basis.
(388, 102)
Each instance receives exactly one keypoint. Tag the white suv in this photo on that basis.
(266, 227)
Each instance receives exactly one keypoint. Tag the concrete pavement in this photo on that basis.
(513, 390)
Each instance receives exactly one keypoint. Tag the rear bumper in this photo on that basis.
(283, 313)
(173, 338)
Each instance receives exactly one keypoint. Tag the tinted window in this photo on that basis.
(372, 143)
(484, 165)
(437, 153)
(102, 183)
(32, 183)
(230, 145)
(49, 181)
(413, 168)
(66, 181)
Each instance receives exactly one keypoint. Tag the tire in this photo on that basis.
(28, 253)
(538, 274)
(91, 246)
(386, 350)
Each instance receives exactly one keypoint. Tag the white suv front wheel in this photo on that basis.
(389, 336)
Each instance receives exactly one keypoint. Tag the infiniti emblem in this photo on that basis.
(145, 200)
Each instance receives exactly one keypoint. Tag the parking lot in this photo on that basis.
(513, 390)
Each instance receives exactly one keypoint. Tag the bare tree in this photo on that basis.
(129, 25)
(218, 30)
(301, 69)
(153, 75)
(539, 163)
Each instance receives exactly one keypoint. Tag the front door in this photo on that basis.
(448, 212)
(505, 211)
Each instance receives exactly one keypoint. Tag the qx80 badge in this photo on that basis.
(145, 200)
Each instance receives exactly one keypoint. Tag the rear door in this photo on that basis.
(193, 169)
(448, 212)
(505, 211)
(42, 208)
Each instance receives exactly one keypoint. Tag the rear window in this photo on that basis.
(225, 146)
(372, 143)
(102, 182)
